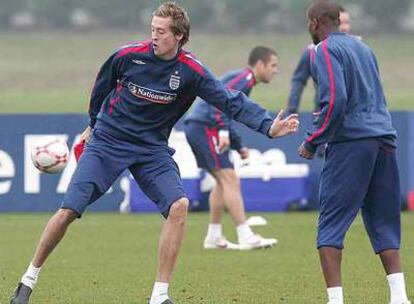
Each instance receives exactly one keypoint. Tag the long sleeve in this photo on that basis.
(245, 85)
(332, 96)
(106, 81)
(244, 81)
(236, 142)
(222, 120)
(234, 104)
(299, 79)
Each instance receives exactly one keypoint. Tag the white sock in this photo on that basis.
(244, 232)
(214, 231)
(30, 276)
(397, 288)
(335, 295)
(159, 293)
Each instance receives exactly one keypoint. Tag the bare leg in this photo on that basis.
(216, 202)
(171, 238)
(231, 193)
(331, 258)
(229, 184)
(52, 234)
(390, 259)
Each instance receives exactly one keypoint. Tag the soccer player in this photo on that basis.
(209, 133)
(360, 169)
(140, 93)
(302, 71)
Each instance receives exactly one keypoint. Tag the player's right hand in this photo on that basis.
(284, 126)
(86, 135)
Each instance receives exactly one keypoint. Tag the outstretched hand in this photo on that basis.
(284, 126)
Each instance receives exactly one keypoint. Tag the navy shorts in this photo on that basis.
(204, 141)
(360, 174)
(106, 157)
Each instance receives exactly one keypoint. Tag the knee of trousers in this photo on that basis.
(330, 239)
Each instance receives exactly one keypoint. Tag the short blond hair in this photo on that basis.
(180, 19)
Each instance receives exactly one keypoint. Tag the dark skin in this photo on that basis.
(319, 29)
(330, 257)
(303, 152)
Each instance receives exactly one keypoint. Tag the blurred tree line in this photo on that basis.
(223, 15)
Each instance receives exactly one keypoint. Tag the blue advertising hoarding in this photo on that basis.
(23, 188)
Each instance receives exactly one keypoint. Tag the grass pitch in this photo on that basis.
(54, 71)
(111, 258)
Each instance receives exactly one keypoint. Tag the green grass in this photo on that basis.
(110, 258)
(55, 71)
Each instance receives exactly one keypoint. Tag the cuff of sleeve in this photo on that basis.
(265, 127)
(236, 146)
(292, 111)
(310, 147)
(92, 121)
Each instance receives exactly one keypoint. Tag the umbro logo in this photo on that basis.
(138, 62)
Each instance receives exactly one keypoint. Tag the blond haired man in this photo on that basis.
(139, 94)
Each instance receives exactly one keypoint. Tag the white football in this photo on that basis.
(50, 155)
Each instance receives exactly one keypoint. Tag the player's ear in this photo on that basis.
(179, 37)
(315, 23)
(261, 64)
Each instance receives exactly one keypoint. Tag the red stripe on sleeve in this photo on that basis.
(191, 62)
(312, 55)
(218, 118)
(236, 79)
(332, 89)
(141, 48)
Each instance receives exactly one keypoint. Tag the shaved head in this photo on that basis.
(323, 18)
(326, 12)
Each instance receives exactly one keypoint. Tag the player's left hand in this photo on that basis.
(284, 126)
(303, 152)
(244, 153)
(86, 135)
(224, 141)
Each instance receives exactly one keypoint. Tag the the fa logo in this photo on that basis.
(174, 81)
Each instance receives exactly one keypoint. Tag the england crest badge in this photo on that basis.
(174, 82)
